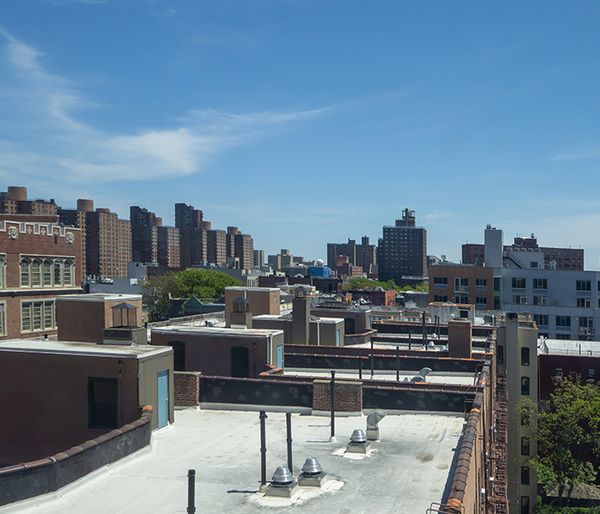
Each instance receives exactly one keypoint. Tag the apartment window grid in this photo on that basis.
(2, 271)
(540, 283)
(440, 281)
(481, 300)
(43, 272)
(541, 319)
(38, 315)
(481, 282)
(563, 321)
(583, 285)
(519, 283)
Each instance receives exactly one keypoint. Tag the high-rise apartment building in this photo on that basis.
(144, 242)
(403, 249)
(192, 235)
(76, 218)
(363, 254)
(108, 244)
(216, 247)
(258, 259)
(14, 201)
(168, 247)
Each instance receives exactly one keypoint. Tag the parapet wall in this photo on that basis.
(42, 476)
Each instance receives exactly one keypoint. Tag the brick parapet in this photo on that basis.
(348, 395)
(187, 388)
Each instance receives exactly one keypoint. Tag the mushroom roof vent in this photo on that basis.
(312, 467)
(358, 436)
(282, 476)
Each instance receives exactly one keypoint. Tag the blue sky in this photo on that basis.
(307, 121)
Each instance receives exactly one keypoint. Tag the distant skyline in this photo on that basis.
(304, 122)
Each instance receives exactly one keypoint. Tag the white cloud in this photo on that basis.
(594, 154)
(74, 150)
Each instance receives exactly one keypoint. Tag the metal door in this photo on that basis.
(162, 399)
(280, 356)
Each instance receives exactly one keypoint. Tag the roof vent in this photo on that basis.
(373, 420)
(282, 476)
(358, 442)
(312, 473)
(283, 484)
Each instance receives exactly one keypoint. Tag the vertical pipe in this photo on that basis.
(424, 331)
(191, 507)
(360, 368)
(288, 423)
(372, 364)
(397, 363)
(332, 403)
(263, 448)
(410, 338)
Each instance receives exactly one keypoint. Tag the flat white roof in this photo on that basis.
(218, 331)
(404, 472)
(260, 289)
(100, 297)
(277, 316)
(569, 347)
(81, 348)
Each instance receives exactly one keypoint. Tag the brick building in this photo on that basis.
(216, 246)
(168, 247)
(363, 254)
(108, 244)
(14, 201)
(462, 284)
(192, 234)
(144, 235)
(39, 260)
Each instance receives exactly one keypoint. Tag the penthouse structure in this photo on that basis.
(39, 260)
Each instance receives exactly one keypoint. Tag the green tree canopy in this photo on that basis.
(568, 433)
(205, 284)
(367, 283)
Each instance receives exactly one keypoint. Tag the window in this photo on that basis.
(584, 302)
(540, 283)
(519, 299)
(563, 321)
(533, 264)
(461, 299)
(525, 446)
(525, 505)
(525, 386)
(540, 300)
(57, 273)
(583, 285)
(519, 283)
(36, 272)
(102, 402)
(500, 356)
(68, 273)
(37, 315)
(461, 282)
(440, 281)
(47, 273)
(25, 272)
(525, 475)
(541, 319)
(440, 298)
(2, 273)
(591, 375)
(2, 319)
(524, 356)
(481, 300)
(481, 282)
(558, 374)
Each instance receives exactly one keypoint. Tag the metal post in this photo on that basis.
(372, 364)
(332, 402)
(424, 331)
(191, 508)
(288, 423)
(360, 368)
(410, 338)
(397, 364)
(263, 448)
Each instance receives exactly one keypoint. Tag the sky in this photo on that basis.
(311, 121)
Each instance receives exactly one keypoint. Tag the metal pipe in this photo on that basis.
(191, 506)
(332, 403)
(397, 363)
(424, 331)
(372, 364)
(263, 448)
(360, 368)
(410, 338)
(288, 423)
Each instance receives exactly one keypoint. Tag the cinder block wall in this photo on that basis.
(187, 388)
(348, 396)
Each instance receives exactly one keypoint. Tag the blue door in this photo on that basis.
(162, 399)
(280, 356)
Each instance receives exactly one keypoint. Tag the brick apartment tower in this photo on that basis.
(168, 246)
(241, 246)
(14, 201)
(144, 236)
(403, 249)
(108, 244)
(192, 235)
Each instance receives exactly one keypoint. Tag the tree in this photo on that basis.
(205, 284)
(567, 428)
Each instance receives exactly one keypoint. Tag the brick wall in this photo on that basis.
(348, 396)
(187, 388)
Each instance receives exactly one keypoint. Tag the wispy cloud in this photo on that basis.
(593, 154)
(59, 3)
(75, 150)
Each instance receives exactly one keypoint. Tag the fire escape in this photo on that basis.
(499, 488)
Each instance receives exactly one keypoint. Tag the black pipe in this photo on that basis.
(372, 364)
(191, 507)
(360, 368)
(263, 448)
(410, 338)
(332, 401)
(288, 423)
(397, 363)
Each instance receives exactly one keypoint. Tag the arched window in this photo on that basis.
(25, 272)
(47, 273)
(58, 273)
(36, 272)
(68, 272)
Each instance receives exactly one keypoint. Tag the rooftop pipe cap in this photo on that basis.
(312, 467)
(282, 476)
(358, 437)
